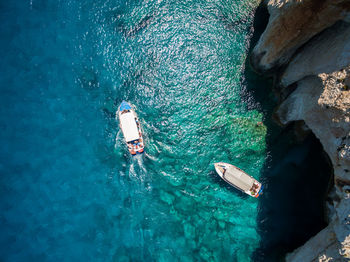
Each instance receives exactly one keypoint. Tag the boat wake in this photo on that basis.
(137, 170)
(140, 163)
(118, 140)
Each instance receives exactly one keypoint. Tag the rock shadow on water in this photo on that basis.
(296, 173)
(291, 210)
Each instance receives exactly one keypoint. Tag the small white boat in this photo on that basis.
(130, 126)
(238, 179)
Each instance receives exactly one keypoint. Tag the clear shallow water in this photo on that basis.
(69, 189)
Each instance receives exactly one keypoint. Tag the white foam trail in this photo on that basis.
(137, 170)
(117, 139)
(150, 157)
(139, 160)
(132, 172)
(118, 134)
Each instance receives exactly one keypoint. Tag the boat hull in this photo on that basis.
(239, 179)
(131, 129)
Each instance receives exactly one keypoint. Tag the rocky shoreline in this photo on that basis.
(306, 48)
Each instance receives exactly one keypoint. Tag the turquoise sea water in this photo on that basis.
(70, 191)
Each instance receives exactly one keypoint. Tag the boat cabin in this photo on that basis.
(130, 127)
(239, 179)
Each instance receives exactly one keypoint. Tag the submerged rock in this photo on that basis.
(190, 231)
(166, 197)
(204, 254)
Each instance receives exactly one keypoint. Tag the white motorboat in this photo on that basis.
(239, 179)
(130, 126)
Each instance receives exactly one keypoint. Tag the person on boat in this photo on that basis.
(223, 170)
(254, 188)
(132, 151)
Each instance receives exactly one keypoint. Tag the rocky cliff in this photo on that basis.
(306, 46)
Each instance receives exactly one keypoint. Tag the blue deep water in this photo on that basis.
(70, 191)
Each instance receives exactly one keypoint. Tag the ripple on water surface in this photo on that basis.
(185, 80)
(180, 63)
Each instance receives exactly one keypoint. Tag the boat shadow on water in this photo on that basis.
(296, 174)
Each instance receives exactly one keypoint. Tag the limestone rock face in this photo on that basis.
(292, 23)
(324, 243)
(331, 244)
(323, 54)
(323, 102)
(310, 41)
